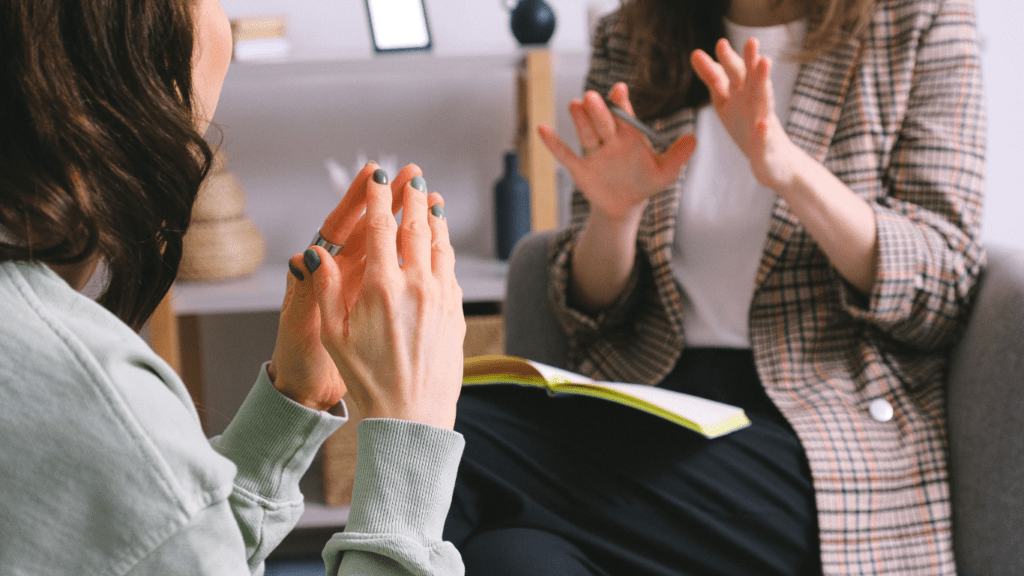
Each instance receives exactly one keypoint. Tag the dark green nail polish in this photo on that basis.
(312, 260)
(438, 211)
(295, 271)
(419, 183)
(380, 176)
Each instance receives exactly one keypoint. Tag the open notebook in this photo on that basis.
(707, 417)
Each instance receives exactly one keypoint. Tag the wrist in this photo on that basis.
(289, 392)
(787, 170)
(626, 222)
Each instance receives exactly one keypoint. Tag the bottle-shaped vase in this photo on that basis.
(511, 206)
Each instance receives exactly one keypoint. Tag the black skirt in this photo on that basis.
(574, 485)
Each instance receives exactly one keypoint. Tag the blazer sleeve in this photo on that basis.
(607, 67)
(929, 253)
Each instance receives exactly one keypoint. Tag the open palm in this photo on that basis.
(619, 169)
(742, 94)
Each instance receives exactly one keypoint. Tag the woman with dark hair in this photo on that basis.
(813, 263)
(103, 104)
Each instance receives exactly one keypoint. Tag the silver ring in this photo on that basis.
(331, 248)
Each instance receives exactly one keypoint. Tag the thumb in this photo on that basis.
(678, 154)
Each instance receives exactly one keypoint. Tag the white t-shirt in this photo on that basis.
(724, 213)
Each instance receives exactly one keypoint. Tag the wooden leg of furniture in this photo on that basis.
(163, 332)
(191, 370)
(537, 107)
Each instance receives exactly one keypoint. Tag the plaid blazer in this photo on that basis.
(897, 114)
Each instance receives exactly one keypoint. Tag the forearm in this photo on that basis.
(603, 259)
(842, 223)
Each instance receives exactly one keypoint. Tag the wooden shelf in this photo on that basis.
(401, 67)
(481, 280)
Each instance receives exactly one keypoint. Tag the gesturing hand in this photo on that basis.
(619, 170)
(301, 367)
(395, 331)
(741, 91)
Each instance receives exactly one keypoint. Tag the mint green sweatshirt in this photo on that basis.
(104, 468)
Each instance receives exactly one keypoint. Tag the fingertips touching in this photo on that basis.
(381, 228)
(414, 234)
(404, 176)
(442, 255)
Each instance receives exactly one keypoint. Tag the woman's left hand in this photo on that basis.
(741, 91)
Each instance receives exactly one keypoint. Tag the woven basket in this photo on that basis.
(220, 198)
(221, 249)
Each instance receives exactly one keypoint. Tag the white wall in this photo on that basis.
(339, 29)
(1002, 29)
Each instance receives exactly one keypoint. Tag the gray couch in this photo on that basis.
(986, 399)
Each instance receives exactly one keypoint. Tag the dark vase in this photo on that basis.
(533, 22)
(511, 206)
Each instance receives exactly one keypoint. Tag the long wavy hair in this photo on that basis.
(100, 154)
(663, 33)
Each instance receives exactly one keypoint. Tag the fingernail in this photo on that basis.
(438, 211)
(312, 260)
(380, 176)
(419, 183)
(295, 271)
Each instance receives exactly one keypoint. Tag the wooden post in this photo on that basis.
(163, 332)
(536, 107)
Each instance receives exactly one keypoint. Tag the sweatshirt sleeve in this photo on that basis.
(272, 440)
(405, 475)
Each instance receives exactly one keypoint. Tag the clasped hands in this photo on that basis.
(619, 169)
(390, 333)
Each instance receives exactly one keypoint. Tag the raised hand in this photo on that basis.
(741, 92)
(301, 367)
(619, 169)
(396, 336)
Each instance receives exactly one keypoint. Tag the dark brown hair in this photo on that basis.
(663, 33)
(100, 154)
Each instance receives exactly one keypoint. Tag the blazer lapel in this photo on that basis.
(817, 102)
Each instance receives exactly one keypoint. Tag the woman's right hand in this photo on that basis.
(398, 342)
(619, 170)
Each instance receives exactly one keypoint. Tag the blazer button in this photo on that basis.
(880, 410)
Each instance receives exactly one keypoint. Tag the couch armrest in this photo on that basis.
(986, 424)
(531, 330)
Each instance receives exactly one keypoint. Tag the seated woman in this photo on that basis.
(105, 469)
(814, 262)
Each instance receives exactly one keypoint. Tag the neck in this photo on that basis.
(76, 275)
(762, 13)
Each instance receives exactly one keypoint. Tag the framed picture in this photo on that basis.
(398, 25)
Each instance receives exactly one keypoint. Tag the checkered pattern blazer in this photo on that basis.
(897, 114)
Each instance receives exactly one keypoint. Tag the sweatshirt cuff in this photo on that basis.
(405, 476)
(272, 440)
